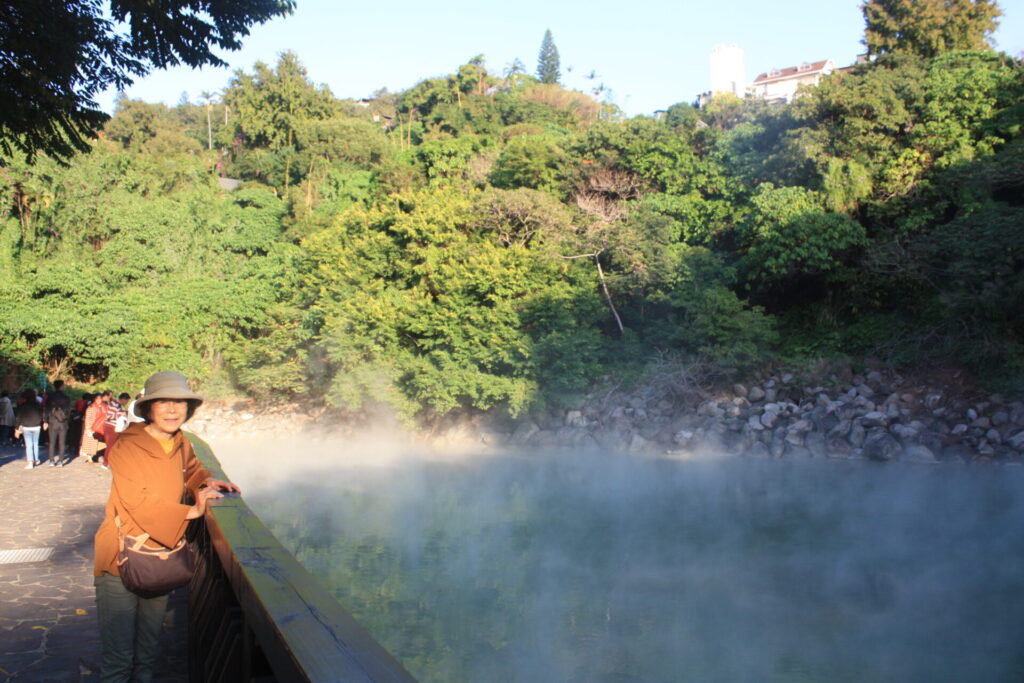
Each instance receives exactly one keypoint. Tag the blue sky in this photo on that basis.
(650, 53)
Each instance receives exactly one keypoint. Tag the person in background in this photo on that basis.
(124, 417)
(6, 418)
(90, 444)
(152, 465)
(116, 412)
(132, 415)
(75, 429)
(28, 422)
(57, 416)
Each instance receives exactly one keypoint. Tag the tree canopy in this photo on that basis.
(481, 242)
(56, 56)
(928, 27)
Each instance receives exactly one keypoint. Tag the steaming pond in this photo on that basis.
(601, 567)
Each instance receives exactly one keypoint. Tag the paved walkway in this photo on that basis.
(48, 628)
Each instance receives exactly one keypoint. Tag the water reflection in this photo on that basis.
(598, 567)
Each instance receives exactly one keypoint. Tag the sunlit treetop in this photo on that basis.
(929, 27)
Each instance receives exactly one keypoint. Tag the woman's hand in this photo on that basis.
(225, 486)
(199, 509)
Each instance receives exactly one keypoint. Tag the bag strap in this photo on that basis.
(138, 541)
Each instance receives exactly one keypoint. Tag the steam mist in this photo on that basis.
(602, 567)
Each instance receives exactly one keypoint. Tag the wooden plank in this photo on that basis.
(303, 630)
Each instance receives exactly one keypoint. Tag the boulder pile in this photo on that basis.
(875, 417)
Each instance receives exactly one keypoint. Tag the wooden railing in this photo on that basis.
(255, 614)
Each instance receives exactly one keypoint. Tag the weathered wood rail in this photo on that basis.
(255, 614)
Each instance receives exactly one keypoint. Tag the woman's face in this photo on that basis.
(168, 414)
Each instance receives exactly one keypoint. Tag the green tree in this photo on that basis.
(548, 69)
(58, 55)
(271, 105)
(928, 27)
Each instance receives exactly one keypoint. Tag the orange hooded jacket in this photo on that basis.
(146, 492)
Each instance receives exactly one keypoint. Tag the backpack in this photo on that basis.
(59, 407)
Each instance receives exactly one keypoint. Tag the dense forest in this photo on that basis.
(484, 240)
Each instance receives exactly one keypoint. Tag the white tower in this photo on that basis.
(727, 74)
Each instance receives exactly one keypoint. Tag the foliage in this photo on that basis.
(57, 56)
(928, 27)
(478, 242)
(548, 70)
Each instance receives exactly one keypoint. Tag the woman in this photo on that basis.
(152, 464)
(28, 422)
(90, 444)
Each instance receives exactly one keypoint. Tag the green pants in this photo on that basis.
(129, 631)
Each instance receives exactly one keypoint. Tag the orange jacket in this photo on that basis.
(146, 492)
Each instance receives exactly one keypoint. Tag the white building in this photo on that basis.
(727, 72)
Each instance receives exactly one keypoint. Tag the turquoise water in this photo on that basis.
(611, 568)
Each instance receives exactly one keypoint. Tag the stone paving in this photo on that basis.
(48, 627)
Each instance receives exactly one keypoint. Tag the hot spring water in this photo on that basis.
(597, 567)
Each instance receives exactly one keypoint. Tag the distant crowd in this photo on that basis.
(87, 427)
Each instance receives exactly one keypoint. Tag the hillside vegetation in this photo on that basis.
(478, 241)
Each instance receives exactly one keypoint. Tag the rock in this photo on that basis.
(857, 435)
(881, 446)
(1000, 418)
(683, 437)
(787, 378)
(739, 390)
(1016, 441)
(874, 378)
(710, 409)
(755, 394)
(754, 422)
(826, 424)
(815, 444)
(982, 423)
(919, 453)
(801, 425)
(959, 430)
(770, 394)
(777, 447)
(993, 436)
(972, 414)
(932, 400)
(574, 418)
(874, 419)
(840, 430)
(524, 431)
(638, 444)
(769, 418)
(904, 432)
(837, 448)
(794, 438)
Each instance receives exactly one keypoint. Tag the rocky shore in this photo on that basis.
(878, 416)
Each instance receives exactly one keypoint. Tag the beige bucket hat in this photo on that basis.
(167, 384)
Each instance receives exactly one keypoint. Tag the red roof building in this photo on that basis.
(781, 84)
